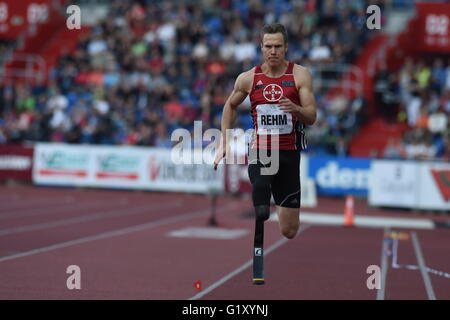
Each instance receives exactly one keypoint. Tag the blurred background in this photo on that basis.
(138, 70)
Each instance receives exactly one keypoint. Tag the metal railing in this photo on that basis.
(348, 78)
(32, 67)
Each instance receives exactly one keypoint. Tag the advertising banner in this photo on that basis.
(126, 167)
(394, 183)
(434, 186)
(15, 16)
(434, 26)
(16, 163)
(340, 176)
(60, 164)
(410, 184)
(407, 184)
(164, 174)
(118, 167)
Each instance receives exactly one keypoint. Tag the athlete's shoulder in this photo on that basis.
(244, 80)
(301, 70)
(247, 75)
(301, 74)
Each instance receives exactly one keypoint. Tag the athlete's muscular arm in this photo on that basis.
(241, 89)
(307, 112)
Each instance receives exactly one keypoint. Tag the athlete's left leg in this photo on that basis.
(289, 221)
(286, 192)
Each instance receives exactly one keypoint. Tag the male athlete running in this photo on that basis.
(281, 98)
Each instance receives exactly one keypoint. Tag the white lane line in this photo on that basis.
(246, 265)
(208, 232)
(384, 266)
(395, 265)
(422, 267)
(90, 217)
(382, 222)
(114, 233)
(362, 221)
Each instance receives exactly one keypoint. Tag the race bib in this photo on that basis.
(271, 120)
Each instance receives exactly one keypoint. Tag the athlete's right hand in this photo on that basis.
(221, 154)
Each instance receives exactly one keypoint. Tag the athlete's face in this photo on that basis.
(273, 48)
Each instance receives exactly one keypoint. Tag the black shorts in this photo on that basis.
(284, 185)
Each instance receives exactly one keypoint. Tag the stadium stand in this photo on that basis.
(149, 67)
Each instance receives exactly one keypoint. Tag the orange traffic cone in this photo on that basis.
(348, 211)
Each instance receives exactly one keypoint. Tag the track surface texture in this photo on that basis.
(159, 246)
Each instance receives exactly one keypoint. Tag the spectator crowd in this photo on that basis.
(152, 66)
(418, 95)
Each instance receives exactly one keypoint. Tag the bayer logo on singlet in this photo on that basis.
(273, 92)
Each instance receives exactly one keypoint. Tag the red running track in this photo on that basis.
(120, 240)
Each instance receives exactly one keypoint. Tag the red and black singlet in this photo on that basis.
(271, 124)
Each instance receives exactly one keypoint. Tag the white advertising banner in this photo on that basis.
(118, 167)
(434, 186)
(60, 164)
(393, 183)
(163, 173)
(121, 167)
(408, 184)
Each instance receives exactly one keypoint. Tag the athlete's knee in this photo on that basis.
(290, 231)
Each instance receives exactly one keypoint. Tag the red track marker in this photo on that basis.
(198, 285)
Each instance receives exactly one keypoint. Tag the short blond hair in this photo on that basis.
(275, 28)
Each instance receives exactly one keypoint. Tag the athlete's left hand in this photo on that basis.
(287, 105)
